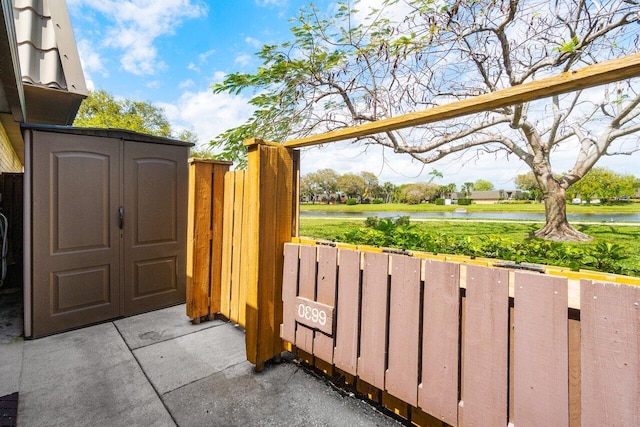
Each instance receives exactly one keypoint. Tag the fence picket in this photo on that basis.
(289, 286)
(401, 378)
(326, 294)
(346, 347)
(438, 392)
(306, 289)
(610, 318)
(485, 348)
(373, 323)
(541, 377)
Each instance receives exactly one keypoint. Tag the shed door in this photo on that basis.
(75, 232)
(154, 226)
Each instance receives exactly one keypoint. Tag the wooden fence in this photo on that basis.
(444, 343)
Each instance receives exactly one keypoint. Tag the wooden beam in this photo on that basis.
(592, 75)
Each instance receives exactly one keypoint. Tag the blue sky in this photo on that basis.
(169, 53)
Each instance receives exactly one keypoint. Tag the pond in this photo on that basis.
(514, 216)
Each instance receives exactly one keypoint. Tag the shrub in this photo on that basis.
(371, 222)
(464, 202)
(351, 202)
(439, 202)
(377, 201)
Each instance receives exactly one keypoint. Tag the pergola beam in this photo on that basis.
(592, 75)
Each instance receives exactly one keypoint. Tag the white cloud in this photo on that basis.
(91, 59)
(186, 84)
(203, 57)
(243, 59)
(253, 42)
(265, 3)
(154, 84)
(136, 24)
(206, 113)
(193, 67)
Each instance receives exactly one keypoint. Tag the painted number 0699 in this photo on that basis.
(312, 314)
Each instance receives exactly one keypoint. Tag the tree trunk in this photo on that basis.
(557, 227)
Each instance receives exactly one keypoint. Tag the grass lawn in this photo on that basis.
(498, 207)
(625, 236)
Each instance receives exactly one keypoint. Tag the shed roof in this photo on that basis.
(107, 133)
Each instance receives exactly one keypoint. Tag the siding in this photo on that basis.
(9, 161)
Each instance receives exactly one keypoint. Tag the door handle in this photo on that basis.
(121, 217)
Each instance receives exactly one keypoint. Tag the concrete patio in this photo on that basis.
(159, 369)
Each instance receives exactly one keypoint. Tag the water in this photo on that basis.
(514, 216)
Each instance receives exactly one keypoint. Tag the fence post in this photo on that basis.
(270, 187)
(204, 236)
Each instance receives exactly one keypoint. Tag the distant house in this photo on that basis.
(495, 196)
(330, 198)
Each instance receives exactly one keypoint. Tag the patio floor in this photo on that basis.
(159, 369)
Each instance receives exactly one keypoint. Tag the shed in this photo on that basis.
(105, 228)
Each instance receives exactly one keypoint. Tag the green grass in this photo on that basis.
(625, 236)
(498, 207)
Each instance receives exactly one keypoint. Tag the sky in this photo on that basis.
(170, 52)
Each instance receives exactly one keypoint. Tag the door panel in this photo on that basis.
(154, 226)
(75, 231)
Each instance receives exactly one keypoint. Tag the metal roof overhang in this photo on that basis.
(12, 99)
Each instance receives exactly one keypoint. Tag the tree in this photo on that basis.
(354, 186)
(601, 183)
(322, 181)
(371, 184)
(419, 192)
(389, 192)
(527, 182)
(483, 185)
(353, 68)
(445, 191)
(102, 110)
(467, 188)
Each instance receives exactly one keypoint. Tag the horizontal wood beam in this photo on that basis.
(592, 75)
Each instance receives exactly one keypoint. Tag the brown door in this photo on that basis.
(76, 240)
(154, 226)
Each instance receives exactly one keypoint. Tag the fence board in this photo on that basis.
(404, 335)
(326, 294)
(346, 347)
(541, 378)
(485, 347)
(227, 247)
(306, 289)
(238, 294)
(205, 237)
(438, 392)
(199, 238)
(373, 325)
(217, 224)
(289, 290)
(610, 317)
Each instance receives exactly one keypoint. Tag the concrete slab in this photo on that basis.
(10, 366)
(175, 363)
(160, 325)
(86, 377)
(281, 395)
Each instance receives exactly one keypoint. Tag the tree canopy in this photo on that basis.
(103, 110)
(356, 67)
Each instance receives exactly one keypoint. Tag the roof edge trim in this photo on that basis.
(10, 73)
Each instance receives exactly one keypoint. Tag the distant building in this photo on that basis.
(495, 196)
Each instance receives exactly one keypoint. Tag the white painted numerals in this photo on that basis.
(312, 314)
